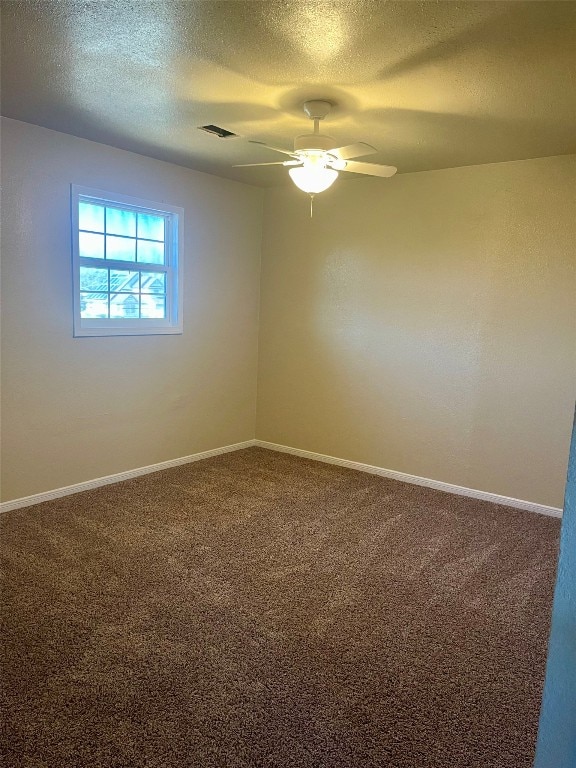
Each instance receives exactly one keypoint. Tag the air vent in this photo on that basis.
(222, 133)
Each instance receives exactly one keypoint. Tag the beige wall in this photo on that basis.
(78, 409)
(427, 324)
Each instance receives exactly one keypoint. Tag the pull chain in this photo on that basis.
(311, 204)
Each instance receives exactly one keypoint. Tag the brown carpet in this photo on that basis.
(261, 610)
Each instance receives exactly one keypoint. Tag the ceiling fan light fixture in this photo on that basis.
(318, 159)
(313, 178)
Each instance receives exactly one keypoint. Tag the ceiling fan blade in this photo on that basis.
(276, 149)
(370, 169)
(279, 162)
(353, 150)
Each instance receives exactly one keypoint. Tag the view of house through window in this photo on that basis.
(125, 264)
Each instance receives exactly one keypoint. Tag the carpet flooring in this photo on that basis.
(260, 610)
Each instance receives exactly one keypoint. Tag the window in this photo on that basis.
(126, 266)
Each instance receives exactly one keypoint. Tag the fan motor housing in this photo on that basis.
(314, 141)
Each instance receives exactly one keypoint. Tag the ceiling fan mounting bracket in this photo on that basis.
(317, 109)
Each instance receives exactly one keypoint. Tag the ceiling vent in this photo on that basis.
(222, 133)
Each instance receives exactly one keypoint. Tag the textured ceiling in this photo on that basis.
(430, 84)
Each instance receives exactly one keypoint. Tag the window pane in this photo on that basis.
(91, 216)
(153, 282)
(125, 265)
(91, 246)
(150, 227)
(120, 222)
(121, 248)
(93, 279)
(93, 304)
(124, 305)
(153, 306)
(150, 253)
(124, 280)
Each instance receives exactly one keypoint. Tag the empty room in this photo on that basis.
(288, 384)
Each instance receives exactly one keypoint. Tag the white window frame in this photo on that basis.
(174, 225)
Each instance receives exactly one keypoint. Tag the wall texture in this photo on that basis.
(77, 409)
(427, 324)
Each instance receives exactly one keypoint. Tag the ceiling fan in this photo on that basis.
(316, 160)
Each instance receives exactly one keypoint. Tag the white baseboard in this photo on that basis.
(37, 498)
(415, 480)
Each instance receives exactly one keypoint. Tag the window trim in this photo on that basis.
(174, 226)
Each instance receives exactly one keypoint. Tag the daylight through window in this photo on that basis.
(126, 265)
